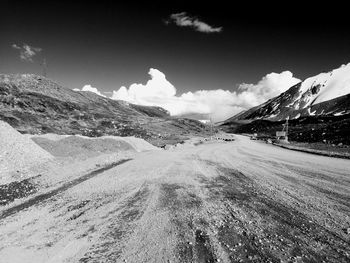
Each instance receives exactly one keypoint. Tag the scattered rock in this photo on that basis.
(346, 230)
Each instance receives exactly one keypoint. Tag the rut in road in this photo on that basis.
(120, 225)
(42, 197)
(188, 222)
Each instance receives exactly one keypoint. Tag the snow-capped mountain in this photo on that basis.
(324, 94)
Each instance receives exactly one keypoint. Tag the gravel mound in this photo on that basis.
(49, 136)
(82, 147)
(140, 145)
(20, 157)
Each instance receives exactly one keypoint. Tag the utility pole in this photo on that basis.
(285, 130)
(286, 137)
(211, 128)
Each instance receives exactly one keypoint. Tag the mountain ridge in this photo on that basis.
(317, 95)
(35, 104)
(315, 113)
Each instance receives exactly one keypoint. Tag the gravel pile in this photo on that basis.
(80, 147)
(85, 147)
(140, 145)
(20, 157)
(49, 136)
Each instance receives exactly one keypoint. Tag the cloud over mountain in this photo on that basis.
(218, 104)
(268, 87)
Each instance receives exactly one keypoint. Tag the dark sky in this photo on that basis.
(108, 44)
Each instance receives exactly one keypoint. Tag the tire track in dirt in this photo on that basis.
(183, 206)
(110, 244)
(43, 197)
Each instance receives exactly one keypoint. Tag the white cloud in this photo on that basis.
(218, 104)
(91, 89)
(27, 52)
(182, 19)
(157, 87)
(269, 86)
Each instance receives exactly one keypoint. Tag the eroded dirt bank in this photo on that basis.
(241, 201)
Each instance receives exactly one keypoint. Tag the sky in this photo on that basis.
(200, 59)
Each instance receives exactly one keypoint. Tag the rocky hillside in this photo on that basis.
(36, 105)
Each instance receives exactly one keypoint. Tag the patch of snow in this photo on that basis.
(204, 121)
(272, 116)
(339, 113)
(332, 85)
(275, 107)
(297, 116)
(311, 113)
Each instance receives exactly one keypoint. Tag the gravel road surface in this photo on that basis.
(239, 201)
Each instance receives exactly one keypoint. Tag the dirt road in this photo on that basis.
(240, 201)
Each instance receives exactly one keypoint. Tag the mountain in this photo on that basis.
(34, 104)
(324, 94)
(318, 109)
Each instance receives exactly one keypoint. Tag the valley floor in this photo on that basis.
(239, 201)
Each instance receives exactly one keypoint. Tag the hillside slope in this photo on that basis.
(34, 104)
